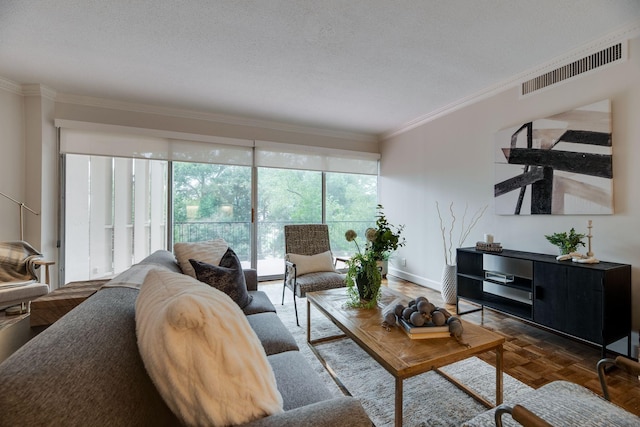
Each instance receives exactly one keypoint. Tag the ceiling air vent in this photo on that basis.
(605, 56)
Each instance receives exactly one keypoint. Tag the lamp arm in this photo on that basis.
(22, 206)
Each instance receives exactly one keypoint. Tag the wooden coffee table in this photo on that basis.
(401, 356)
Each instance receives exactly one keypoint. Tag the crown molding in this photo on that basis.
(211, 117)
(27, 89)
(39, 90)
(10, 86)
(626, 32)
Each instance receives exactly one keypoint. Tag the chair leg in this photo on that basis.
(600, 367)
(295, 307)
(284, 283)
(284, 286)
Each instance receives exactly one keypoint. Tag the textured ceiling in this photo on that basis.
(365, 66)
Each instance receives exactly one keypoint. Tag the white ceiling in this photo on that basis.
(363, 66)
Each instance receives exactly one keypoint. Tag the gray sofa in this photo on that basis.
(86, 370)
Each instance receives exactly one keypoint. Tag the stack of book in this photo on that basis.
(424, 332)
(488, 247)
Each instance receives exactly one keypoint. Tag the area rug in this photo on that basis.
(429, 399)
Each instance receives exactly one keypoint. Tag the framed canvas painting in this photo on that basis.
(560, 165)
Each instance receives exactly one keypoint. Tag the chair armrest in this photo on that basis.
(251, 278)
(520, 414)
(46, 265)
(342, 259)
(290, 266)
(628, 365)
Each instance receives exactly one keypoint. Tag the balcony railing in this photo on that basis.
(270, 239)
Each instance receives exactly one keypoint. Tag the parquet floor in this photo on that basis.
(537, 357)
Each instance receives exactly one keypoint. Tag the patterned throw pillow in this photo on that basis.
(227, 277)
(210, 251)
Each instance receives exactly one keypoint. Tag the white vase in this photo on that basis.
(384, 267)
(449, 290)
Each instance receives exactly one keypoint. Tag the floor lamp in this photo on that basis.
(22, 208)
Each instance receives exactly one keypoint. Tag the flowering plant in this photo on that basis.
(363, 272)
(363, 276)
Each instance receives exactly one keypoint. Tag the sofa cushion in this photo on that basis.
(312, 263)
(201, 353)
(260, 303)
(227, 277)
(298, 383)
(210, 251)
(272, 333)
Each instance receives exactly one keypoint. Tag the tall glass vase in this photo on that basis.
(449, 290)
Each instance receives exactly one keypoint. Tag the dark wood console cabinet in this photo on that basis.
(591, 302)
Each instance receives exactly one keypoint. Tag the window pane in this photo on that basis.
(213, 201)
(284, 197)
(351, 204)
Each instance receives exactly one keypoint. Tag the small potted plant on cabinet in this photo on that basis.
(566, 242)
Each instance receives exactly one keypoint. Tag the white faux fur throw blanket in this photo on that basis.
(201, 353)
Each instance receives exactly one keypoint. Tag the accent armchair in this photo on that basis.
(309, 263)
(561, 403)
(19, 282)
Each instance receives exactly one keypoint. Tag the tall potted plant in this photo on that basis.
(384, 239)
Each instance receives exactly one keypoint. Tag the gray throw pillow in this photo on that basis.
(227, 277)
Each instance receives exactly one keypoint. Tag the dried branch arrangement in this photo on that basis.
(464, 231)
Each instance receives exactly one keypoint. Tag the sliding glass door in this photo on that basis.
(285, 196)
(213, 201)
(127, 195)
(350, 201)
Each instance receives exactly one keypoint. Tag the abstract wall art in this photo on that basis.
(557, 165)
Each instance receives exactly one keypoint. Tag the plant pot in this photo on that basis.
(383, 266)
(367, 290)
(449, 290)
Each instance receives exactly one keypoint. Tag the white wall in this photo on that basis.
(12, 161)
(450, 159)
